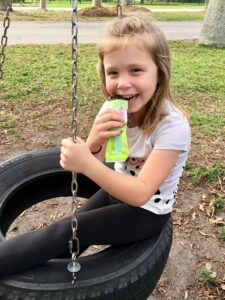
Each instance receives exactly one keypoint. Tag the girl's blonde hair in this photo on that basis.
(144, 34)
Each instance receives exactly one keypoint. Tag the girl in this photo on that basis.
(136, 198)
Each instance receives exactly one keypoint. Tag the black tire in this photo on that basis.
(122, 272)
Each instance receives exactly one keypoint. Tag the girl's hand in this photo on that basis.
(100, 131)
(75, 157)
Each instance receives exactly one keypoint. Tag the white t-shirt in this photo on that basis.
(172, 133)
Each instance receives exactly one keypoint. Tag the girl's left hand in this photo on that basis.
(75, 157)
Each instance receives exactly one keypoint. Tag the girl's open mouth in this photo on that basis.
(128, 97)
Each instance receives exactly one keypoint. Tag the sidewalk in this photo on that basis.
(89, 32)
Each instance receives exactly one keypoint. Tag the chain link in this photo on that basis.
(74, 246)
(4, 39)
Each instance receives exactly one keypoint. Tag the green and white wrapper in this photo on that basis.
(117, 147)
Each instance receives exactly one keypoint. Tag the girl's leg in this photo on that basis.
(112, 224)
(99, 199)
(34, 248)
(118, 224)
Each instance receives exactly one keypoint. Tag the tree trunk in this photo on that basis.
(126, 2)
(213, 29)
(3, 5)
(43, 5)
(96, 3)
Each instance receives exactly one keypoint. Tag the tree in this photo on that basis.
(96, 3)
(126, 2)
(213, 29)
(3, 4)
(42, 4)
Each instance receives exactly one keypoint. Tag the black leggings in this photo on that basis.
(103, 220)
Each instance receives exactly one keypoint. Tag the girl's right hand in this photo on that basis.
(101, 128)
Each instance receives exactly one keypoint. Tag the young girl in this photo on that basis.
(136, 198)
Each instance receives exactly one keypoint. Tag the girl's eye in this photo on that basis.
(112, 74)
(136, 70)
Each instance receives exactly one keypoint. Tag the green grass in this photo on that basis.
(203, 173)
(178, 16)
(82, 4)
(28, 64)
(218, 202)
(198, 82)
(197, 88)
(222, 233)
(60, 15)
(208, 276)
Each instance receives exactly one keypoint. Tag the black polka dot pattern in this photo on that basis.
(157, 200)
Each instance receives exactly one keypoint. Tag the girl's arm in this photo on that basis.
(135, 191)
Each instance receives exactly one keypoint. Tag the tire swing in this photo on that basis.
(125, 272)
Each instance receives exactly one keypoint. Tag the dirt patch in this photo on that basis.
(97, 12)
(91, 12)
(112, 11)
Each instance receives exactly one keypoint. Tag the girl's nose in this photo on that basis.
(123, 82)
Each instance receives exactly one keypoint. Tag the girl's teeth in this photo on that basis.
(130, 97)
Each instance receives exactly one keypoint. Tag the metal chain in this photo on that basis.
(74, 266)
(4, 39)
(74, 246)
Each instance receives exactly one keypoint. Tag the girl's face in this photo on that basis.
(130, 72)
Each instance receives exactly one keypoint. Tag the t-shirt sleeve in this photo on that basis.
(172, 133)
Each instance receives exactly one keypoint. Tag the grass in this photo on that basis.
(208, 276)
(209, 174)
(222, 233)
(31, 85)
(58, 16)
(43, 75)
(218, 203)
(82, 4)
(199, 90)
(179, 16)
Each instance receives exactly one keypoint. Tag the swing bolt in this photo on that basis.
(74, 266)
(74, 246)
